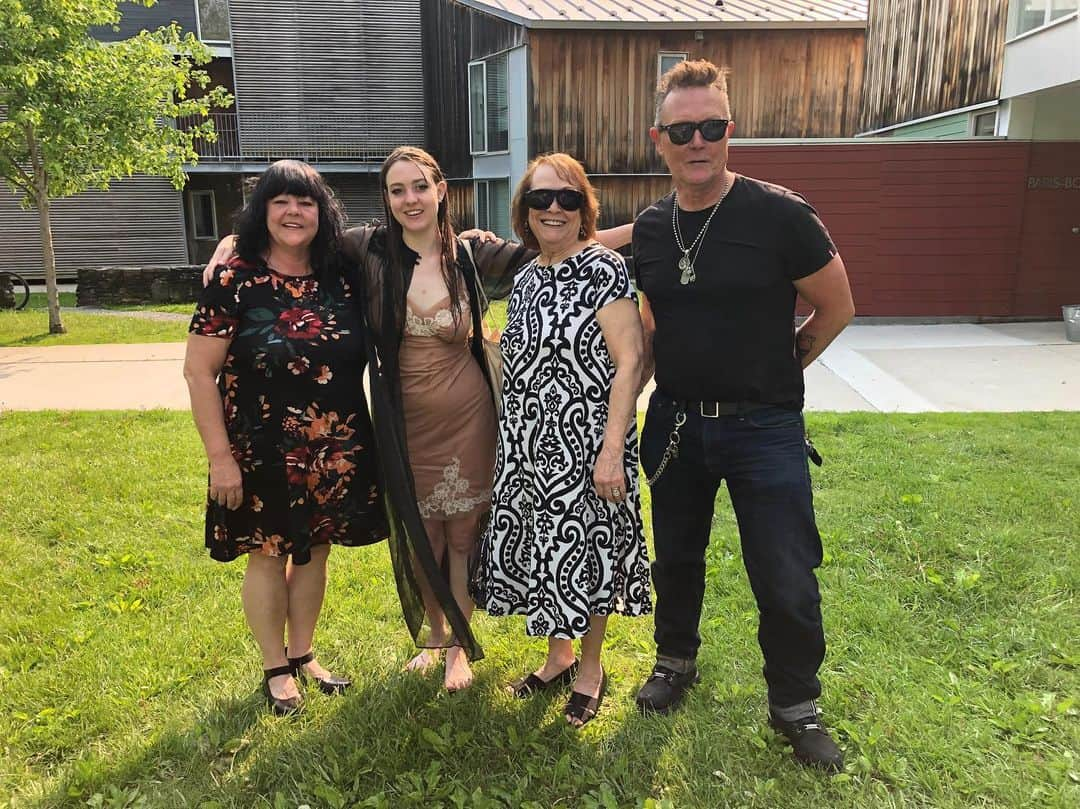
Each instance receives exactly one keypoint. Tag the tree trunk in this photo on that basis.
(52, 292)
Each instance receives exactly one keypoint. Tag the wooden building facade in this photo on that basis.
(586, 84)
(926, 58)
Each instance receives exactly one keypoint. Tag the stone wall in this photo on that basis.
(132, 286)
(7, 292)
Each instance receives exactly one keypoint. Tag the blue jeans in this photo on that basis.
(762, 456)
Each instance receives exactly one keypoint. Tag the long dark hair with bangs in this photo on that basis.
(395, 242)
(301, 180)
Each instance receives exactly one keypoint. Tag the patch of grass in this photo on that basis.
(30, 327)
(950, 592)
(38, 300)
(498, 313)
(68, 300)
(173, 308)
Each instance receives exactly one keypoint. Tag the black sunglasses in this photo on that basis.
(682, 133)
(540, 199)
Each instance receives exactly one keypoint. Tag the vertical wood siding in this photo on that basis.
(453, 36)
(593, 91)
(460, 197)
(135, 18)
(334, 79)
(140, 221)
(930, 56)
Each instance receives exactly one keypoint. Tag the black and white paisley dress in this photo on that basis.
(554, 550)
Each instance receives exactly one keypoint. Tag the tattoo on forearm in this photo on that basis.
(804, 344)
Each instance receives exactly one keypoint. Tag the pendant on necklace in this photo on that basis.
(686, 266)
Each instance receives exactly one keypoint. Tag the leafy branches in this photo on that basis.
(77, 113)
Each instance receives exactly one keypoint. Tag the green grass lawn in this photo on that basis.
(38, 301)
(950, 587)
(68, 300)
(30, 327)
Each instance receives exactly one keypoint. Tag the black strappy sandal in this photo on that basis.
(329, 685)
(281, 707)
(527, 686)
(584, 708)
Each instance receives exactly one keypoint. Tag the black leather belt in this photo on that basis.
(714, 410)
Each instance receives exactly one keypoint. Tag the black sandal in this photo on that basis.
(281, 707)
(584, 708)
(527, 686)
(328, 685)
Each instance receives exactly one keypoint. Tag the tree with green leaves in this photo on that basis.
(77, 113)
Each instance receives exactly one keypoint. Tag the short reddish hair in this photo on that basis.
(691, 73)
(572, 172)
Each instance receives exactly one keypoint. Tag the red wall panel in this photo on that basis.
(947, 229)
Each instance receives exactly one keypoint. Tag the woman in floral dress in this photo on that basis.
(274, 367)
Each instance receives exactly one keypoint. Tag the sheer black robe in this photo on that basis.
(385, 288)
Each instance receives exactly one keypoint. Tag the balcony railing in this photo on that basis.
(227, 145)
(272, 137)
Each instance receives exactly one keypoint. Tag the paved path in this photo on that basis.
(1006, 367)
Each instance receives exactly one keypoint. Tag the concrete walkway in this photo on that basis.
(955, 367)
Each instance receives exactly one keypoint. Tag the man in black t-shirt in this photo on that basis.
(719, 264)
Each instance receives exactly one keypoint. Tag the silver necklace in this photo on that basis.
(686, 263)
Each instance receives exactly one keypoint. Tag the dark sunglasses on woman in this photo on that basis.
(682, 133)
(540, 199)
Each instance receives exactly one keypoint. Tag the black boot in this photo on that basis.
(810, 741)
(665, 689)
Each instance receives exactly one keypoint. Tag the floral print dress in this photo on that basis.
(295, 413)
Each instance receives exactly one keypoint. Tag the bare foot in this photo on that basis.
(590, 681)
(425, 661)
(554, 666)
(283, 687)
(316, 671)
(458, 674)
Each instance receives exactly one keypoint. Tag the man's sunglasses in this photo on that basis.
(540, 199)
(682, 133)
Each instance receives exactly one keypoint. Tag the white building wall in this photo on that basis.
(1044, 58)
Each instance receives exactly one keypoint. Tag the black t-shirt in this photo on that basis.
(730, 335)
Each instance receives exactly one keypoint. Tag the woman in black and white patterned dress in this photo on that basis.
(564, 545)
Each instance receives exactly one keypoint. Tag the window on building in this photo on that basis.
(1027, 15)
(984, 124)
(492, 200)
(489, 105)
(667, 60)
(213, 20)
(203, 215)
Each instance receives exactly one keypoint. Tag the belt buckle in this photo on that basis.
(715, 414)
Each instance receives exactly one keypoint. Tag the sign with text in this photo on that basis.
(1053, 183)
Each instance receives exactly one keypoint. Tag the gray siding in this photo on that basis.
(138, 18)
(359, 193)
(140, 221)
(338, 79)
